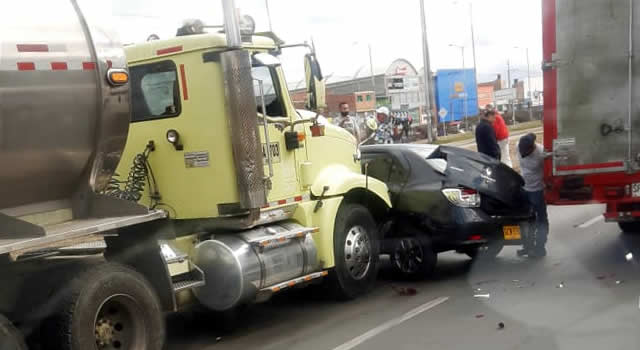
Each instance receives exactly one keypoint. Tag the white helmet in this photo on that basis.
(383, 110)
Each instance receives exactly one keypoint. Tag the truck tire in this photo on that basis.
(630, 227)
(413, 257)
(356, 250)
(111, 306)
(10, 337)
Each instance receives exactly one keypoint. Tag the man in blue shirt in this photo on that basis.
(486, 135)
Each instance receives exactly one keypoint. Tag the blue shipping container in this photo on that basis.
(453, 88)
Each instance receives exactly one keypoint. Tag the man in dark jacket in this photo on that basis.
(486, 135)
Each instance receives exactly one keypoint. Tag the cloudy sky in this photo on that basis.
(342, 30)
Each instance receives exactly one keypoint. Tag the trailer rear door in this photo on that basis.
(588, 85)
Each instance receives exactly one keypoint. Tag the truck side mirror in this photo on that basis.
(316, 91)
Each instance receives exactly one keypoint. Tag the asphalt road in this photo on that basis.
(584, 295)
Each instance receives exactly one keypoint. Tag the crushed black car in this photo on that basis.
(446, 198)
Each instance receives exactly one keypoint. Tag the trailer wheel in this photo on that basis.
(10, 337)
(356, 249)
(630, 227)
(108, 307)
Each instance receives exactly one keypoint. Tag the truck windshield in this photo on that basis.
(155, 91)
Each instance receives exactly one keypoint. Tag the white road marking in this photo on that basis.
(591, 222)
(390, 324)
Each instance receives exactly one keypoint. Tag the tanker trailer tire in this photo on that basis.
(10, 337)
(356, 250)
(632, 227)
(107, 307)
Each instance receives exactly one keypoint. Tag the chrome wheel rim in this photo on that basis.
(357, 252)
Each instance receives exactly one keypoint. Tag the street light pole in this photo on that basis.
(464, 78)
(373, 79)
(473, 49)
(427, 72)
(266, 2)
(528, 83)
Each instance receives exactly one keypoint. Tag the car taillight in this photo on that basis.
(462, 197)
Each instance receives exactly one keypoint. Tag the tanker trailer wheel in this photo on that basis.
(10, 337)
(356, 250)
(107, 307)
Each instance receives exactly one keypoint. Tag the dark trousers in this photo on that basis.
(537, 236)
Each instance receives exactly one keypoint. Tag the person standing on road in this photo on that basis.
(531, 157)
(347, 122)
(384, 134)
(486, 136)
(502, 136)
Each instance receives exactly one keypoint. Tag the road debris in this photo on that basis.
(515, 281)
(629, 256)
(501, 325)
(408, 291)
(482, 296)
(561, 285)
(619, 282)
(479, 315)
(601, 277)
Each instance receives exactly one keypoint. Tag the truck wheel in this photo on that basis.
(630, 227)
(487, 251)
(108, 307)
(10, 337)
(356, 251)
(413, 257)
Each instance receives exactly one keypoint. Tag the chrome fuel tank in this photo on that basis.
(237, 266)
(62, 125)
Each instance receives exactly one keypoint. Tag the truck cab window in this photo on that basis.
(272, 100)
(155, 91)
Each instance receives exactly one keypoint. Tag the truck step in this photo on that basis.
(266, 293)
(281, 237)
(87, 248)
(183, 285)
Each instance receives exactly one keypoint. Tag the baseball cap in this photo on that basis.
(383, 110)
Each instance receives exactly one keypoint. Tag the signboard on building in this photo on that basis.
(403, 86)
(458, 86)
(504, 95)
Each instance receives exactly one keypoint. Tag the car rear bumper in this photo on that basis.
(472, 226)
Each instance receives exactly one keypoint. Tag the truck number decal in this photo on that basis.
(196, 159)
(274, 148)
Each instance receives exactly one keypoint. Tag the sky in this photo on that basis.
(342, 30)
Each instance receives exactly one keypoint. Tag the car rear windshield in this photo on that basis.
(424, 151)
(155, 91)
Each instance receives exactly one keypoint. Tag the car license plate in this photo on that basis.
(635, 190)
(511, 233)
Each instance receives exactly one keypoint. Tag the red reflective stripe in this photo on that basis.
(590, 166)
(183, 78)
(59, 66)
(88, 65)
(282, 201)
(297, 198)
(26, 66)
(169, 50)
(32, 48)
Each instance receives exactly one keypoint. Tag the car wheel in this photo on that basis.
(413, 258)
(107, 307)
(630, 227)
(486, 251)
(356, 249)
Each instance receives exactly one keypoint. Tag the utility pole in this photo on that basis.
(427, 72)
(473, 49)
(266, 2)
(513, 111)
(373, 78)
(529, 85)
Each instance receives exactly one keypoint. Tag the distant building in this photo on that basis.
(485, 95)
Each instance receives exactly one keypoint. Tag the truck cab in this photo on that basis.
(217, 143)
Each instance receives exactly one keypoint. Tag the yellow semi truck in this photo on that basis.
(182, 176)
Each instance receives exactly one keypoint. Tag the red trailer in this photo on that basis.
(591, 110)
